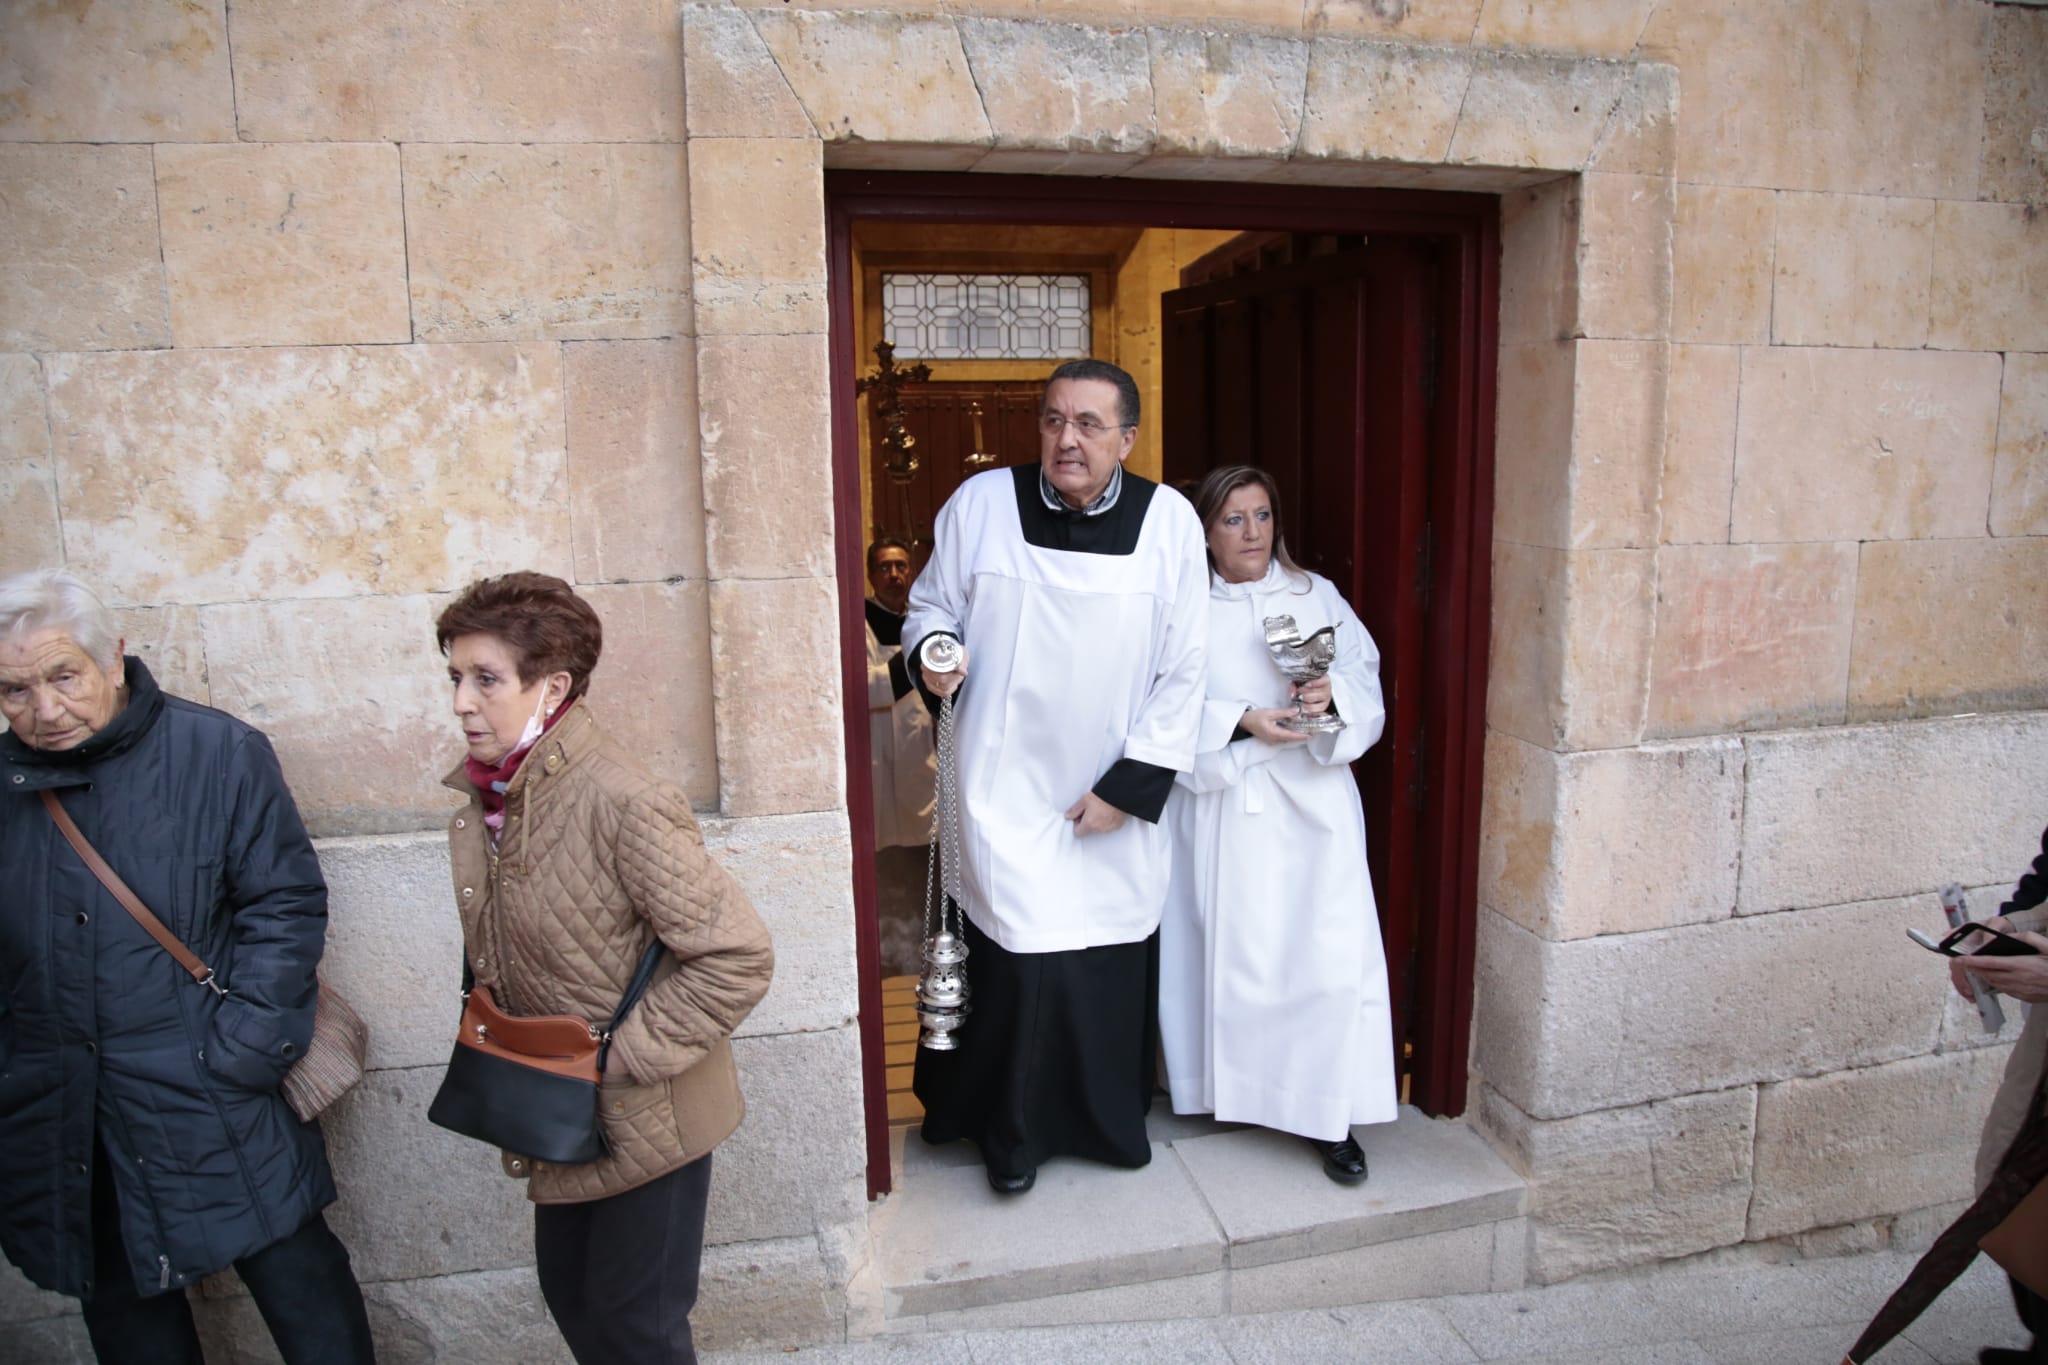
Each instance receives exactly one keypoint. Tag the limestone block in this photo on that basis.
(1281, 15)
(2019, 483)
(1419, 21)
(732, 87)
(1459, 1261)
(1990, 275)
(48, 1341)
(560, 241)
(1604, 28)
(1890, 810)
(1863, 445)
(283, 245)
(171, 641)
(781, 748)
(798, 872)
(1699, 443)
(1587, 419)
(30, 537)
(1526, 110)
(799, 1162)
(394, 943)
(765, 423)
(1539, 263)
(1532, 496)
(1641, 136)
(1857, 1144)
(2015, 160)
(1382, 101)
(1039, 161)
(1598, 1023)
(652, 687)
(1612, 841)
(478, 1317)
(24, 417)
(851, 72)
(1227, 95)
(1751, 637)
(309, 473)
(21, 1301)
(757, 235)
(636, 486)
(1850, 270)
(1624, 269)
(768, 1294)
(1571, 645)
(1621, 1186)
(1950, 625)
(1721, 264)
(419, 1200)
(1061, 86)
(353, 696)
(146, 71)
(83, 270)
(464, 71)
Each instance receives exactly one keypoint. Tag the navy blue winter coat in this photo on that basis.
(100, 1029)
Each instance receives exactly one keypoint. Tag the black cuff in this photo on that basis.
(916, 673)
(1136, 787)
(899, 676)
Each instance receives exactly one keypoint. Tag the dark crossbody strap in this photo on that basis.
(130, 902)
(643, 975)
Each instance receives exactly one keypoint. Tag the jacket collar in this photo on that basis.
(555, 752)
(30, 769)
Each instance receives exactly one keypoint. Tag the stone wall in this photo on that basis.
(309, 314)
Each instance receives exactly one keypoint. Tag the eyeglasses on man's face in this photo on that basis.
(1087, 428)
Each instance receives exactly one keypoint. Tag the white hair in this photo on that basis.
(51, 599)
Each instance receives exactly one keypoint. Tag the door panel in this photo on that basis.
(943, 418)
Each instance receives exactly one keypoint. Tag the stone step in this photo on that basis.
(1224, 1219)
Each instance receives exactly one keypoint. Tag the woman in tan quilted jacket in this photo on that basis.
(569, 859)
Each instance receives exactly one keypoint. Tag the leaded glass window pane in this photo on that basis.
(986, 317)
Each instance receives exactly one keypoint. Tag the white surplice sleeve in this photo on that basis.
(1354, 685)
(939, 596)
(1169, 720)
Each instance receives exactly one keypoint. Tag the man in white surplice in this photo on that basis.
(901, 759)
(1080, 594)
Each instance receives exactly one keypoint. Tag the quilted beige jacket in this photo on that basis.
(597, 855)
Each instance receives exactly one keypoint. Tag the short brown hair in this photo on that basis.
(548, 628)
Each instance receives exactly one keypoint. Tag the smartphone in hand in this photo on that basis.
(1956, 943)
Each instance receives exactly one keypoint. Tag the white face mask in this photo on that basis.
(534, 723)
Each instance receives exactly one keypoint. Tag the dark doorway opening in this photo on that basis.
(1347, 343)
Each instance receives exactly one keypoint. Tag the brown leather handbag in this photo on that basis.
(334, 1059)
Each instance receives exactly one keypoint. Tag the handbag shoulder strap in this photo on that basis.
(130, 902)
(642, 975)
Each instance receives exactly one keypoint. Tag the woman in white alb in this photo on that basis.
(1273, 984)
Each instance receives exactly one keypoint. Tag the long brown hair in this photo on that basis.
(1215, 490)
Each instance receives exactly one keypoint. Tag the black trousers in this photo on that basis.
(620, 1274)
(303, 1286)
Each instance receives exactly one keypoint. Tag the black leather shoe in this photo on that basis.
(1343, 1161)
(1012, 1184)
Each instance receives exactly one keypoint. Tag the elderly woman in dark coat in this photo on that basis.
(144, 1143)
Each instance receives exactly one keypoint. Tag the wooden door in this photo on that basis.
(1319, 373)
(961, 428)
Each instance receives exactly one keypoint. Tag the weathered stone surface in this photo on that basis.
(781, 743)
(416, 1199)
(1721, 268)
(1459, 1261)
(1832, 1149)
(1950, 625)
(1863, 445)
(559, 241)
(1227, 94)
(1641, 136)
(309, 473)
(466, 71)
(1612, 841)
(777, 1293)
(353, 696)
(24, 418)
(145, 71)
(1587, 446)
(1382, 101)
(1889, 810)
(636, 486)
(798, 872)
(83, 270)
(48, 1341)
(852, 73)
(1598, 1023)
(30, 537)
(1539, 263)
(1699, 443)
(2019, 481)
(765, 423)
(2015, 164)
(394, 943)
(479, 1317)
(1990, 275)
(733, 87)
(1420, 21)
(1851, 270)
(1619, 1186)
(747, 279)
(170, 640)
(283, 245)
(1535, 111)
(1061, 86)
(21, 1301)
(799, 1162)
(1605, 28)
(1751, 636)
(1624, 272)
(652, 687)
(1533, 465)
(1571, 645)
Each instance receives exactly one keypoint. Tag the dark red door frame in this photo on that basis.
(1461, 495)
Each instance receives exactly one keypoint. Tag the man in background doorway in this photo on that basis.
(901, 758)
(1080, 594)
